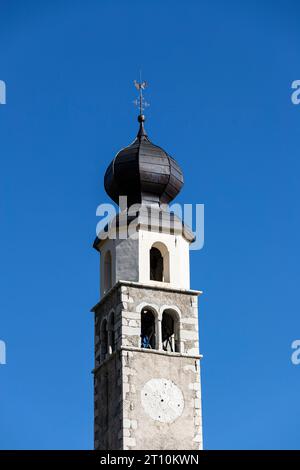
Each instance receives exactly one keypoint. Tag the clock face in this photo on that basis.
(162, 400)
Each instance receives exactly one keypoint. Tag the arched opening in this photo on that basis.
(148, 339)
(156, 265)
(107, 271)
(103, 340)
(159, 263)
(170, 331)
(111, 333)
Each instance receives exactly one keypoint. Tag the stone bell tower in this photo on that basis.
(147, 368)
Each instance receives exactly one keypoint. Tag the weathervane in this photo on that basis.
(140, 101)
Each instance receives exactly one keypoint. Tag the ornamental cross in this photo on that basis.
(140, 101)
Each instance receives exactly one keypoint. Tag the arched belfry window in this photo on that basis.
(107, 271)
(103, 340)
(156, 265)
(170, 331)
(148, 337)
(111, 333)
(159, 263)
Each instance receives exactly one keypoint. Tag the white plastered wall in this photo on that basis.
(178, 248)
(108, 245)
(133, 264)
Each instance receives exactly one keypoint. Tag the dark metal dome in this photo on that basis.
(143, 172)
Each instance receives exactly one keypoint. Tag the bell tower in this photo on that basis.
(147, 364)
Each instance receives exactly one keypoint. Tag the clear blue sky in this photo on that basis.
(220, 75)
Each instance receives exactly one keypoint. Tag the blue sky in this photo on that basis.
(220, 77)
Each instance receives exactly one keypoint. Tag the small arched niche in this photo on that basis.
(159, 263)
(170, 331)
(111, 333)
(103, 340)
(107, 271)
(148, 327)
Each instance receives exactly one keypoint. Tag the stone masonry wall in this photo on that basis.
(108, 379)
(140, 431)
(134, 299)
(120, 419)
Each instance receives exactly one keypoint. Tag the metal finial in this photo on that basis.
(140, 101)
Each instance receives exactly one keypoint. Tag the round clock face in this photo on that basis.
(162, 400)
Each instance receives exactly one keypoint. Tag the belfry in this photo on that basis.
(147, 391)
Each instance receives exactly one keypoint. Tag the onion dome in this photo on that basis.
(143, 172)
